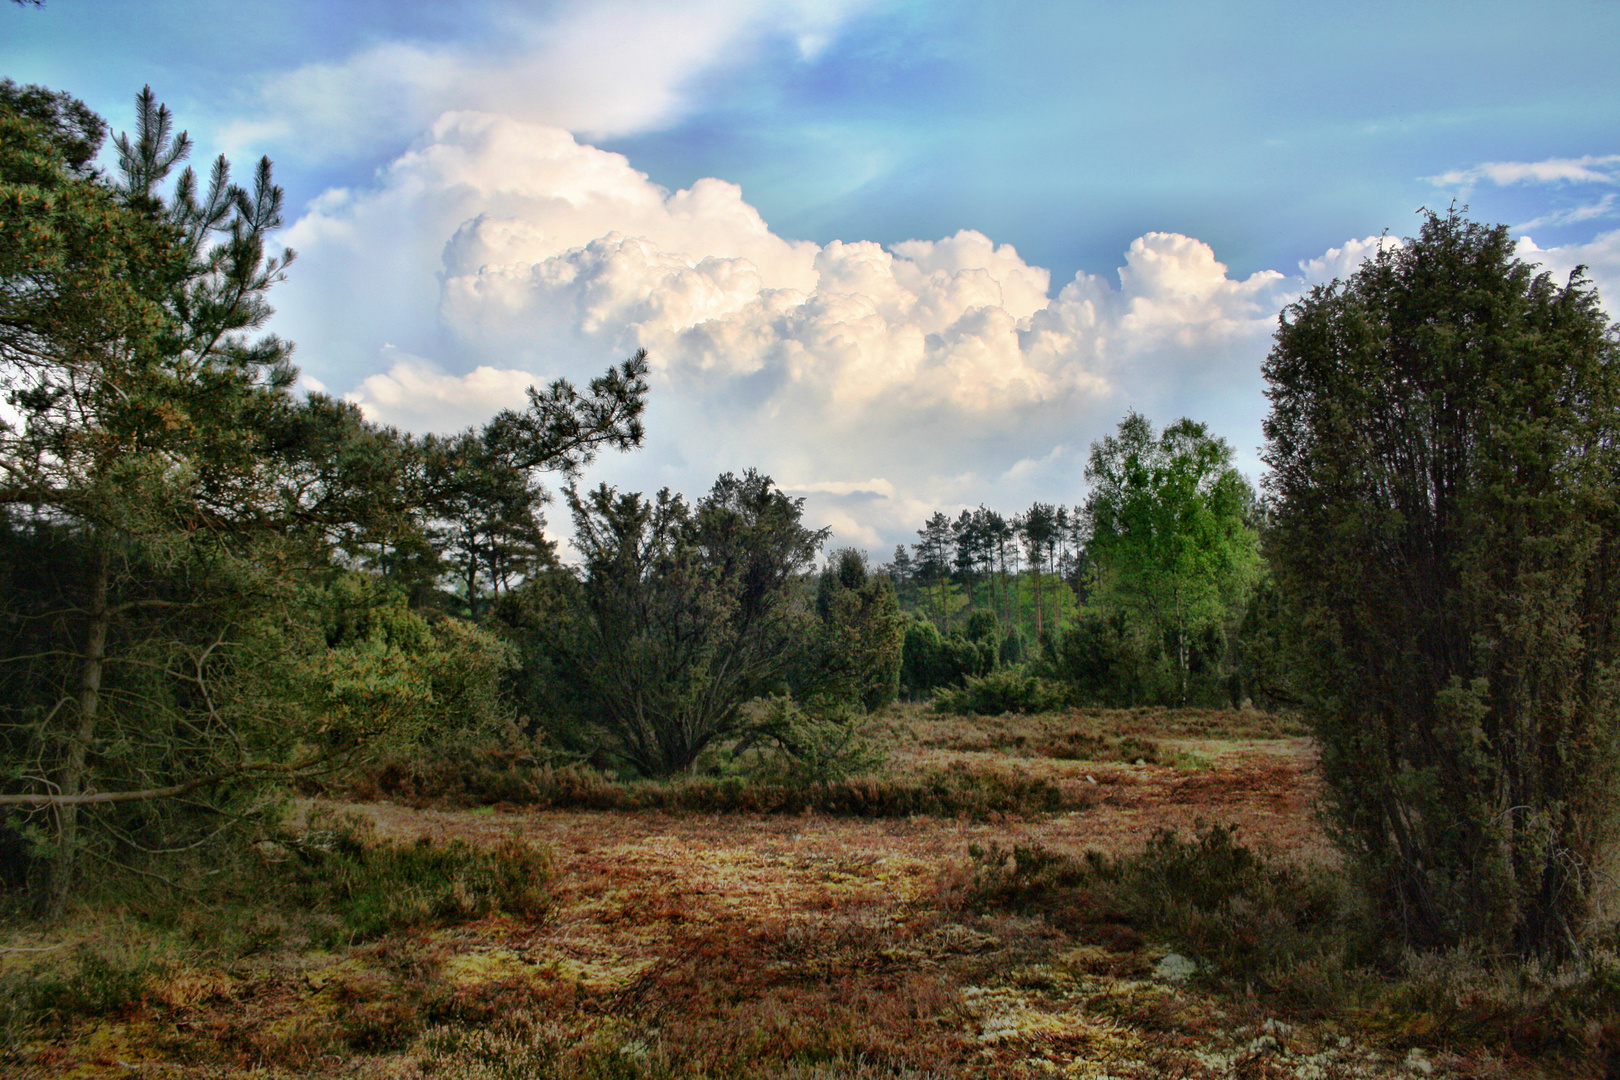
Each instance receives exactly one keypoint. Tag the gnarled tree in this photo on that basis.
(683, 614)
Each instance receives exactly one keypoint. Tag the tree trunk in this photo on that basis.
(1036, 570)
(1183, 663)
(70, 775)
(472, 582)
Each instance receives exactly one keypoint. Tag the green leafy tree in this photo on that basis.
(1445, 445)
(1170, 539)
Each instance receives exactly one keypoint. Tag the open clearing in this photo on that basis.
(686, 944)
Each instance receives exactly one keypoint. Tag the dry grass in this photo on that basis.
(678, 943)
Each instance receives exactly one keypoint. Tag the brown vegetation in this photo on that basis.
(677, 941)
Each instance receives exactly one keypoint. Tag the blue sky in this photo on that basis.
(465, 229)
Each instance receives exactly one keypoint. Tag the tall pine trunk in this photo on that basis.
(70, 774)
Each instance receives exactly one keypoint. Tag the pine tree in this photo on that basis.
(145, 409)
(169, 511)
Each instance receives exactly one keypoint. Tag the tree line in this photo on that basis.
(979, 560)
(211, 584)
(1145, 594)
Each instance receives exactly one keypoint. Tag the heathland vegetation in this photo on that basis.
(316, 760)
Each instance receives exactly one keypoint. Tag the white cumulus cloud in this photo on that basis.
(1600, 256)
(416, 394)
(878, 382)
(1338, 264)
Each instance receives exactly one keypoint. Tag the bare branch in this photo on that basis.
(149, 794)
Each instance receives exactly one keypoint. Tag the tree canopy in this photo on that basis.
(1445, 444)
(1170, 534)
(178, 525)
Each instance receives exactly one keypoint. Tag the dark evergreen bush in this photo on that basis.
(1445, 445)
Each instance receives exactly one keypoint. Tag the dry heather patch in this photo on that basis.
(794, 946)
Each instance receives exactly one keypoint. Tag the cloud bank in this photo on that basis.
(880, 383)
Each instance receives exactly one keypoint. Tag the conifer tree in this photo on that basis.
(168, 507)
(1445, 448)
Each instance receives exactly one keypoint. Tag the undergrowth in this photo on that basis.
(88, 980)
(328, 884)
(1118, 735)
(1004, 690)
(954, 791)
(374, 886)
(1297, 938)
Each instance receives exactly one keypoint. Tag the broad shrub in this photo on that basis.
(1005, 690)
(1238, 913)
(1444, 532)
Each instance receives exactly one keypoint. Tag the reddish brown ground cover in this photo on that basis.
(743, 945)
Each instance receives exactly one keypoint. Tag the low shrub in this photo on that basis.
(330, 883)
(1062, 737)
(951, 792)
(1023, 874)
(1463, 998)
(375, 886)
(1299, 938)
(90, 980)
(1229, 905)
(1078, 745)
(458, 772)
(1241, 915)
(811, 743)
(1004, 690)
